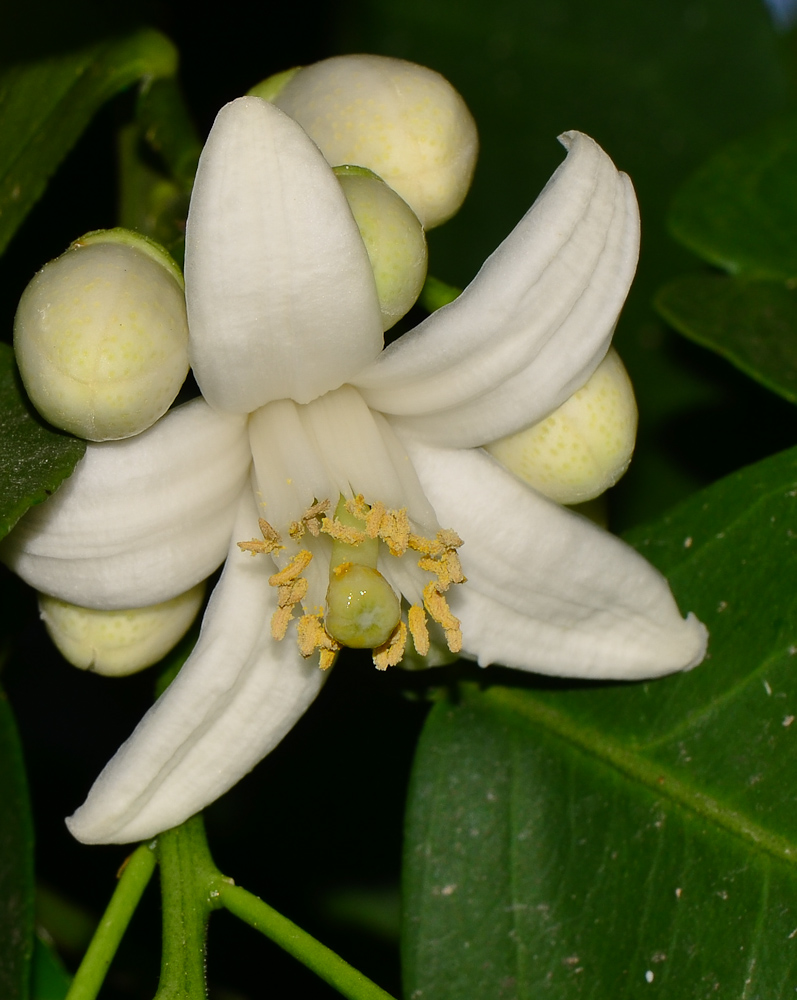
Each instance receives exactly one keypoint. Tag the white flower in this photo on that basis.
(302, 406)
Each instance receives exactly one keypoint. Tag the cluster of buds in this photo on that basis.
(102, 339)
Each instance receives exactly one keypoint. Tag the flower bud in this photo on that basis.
(101, 336)
(583, 447)
(403, 121)
(393, 237)
(116, 643)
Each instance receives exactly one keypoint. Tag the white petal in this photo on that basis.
(140, 520)
(533, 324)
(281, 296)
(235, 698)
(547, 590)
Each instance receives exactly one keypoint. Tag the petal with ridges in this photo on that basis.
(140, 520)
(234, 699)
(281, 297)
(547, 590)
(533, 324)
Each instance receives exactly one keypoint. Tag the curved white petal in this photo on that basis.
(280, 293)
(547, 590)
(533, 324)
(235, 698)
(140, 520)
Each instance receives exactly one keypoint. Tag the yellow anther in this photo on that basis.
(437, 606)
(389, 654)
(294, 569)
(373, 519)
(309, 521)
(358, 508)
(394, 530)
(416, 618)
(311, 636)
(342, 532)
(296, 530)
(450, 539)
(271, 540)
(293, 592)
(280, 621)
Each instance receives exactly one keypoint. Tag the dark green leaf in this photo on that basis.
(16, 864)
(46, 104)
(34, 458)
(49, 979)
(739, 211)
(628, 840)
(752, 324)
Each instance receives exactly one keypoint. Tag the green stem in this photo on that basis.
(132, 882)
(188, 878)
(168, 128)
(316, 956)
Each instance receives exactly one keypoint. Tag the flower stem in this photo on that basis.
(316, 956)
(134, 877)
(188, 876)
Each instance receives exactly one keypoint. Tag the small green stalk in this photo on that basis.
(132, 882)
(325, 963)
(187, 879)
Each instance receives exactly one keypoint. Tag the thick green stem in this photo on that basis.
(188, 877)
(316, 956)
(132, 882)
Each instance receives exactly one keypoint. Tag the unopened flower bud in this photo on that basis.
(405, 122)
(101, 336)
(393, 237)
(116, 643)
(583, 447)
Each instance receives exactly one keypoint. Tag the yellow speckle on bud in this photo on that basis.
(403, 121)
(116, 643)
(393, 237)
(101, 336)
(583, 447)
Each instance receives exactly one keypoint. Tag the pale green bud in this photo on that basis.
(405, 122)
(393, 237)
(116, 643)
(583, 447)
(270, 88)
(101, 336)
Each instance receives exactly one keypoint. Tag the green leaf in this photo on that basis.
(34, 458)
(16, 864)
(49, 978)
(752, 324)
(627, 840)
(46, 104)
(739, 211)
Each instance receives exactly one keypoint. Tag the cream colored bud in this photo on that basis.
(403, 121)
(393, 237)
(583, 447)
(101, 336)
(116, 643)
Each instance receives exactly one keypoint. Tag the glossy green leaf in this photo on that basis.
(16, 864)
(752, 324)
(45, 105)
(739, 211)
(34, 458)
(635, 840)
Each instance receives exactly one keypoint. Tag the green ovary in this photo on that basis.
(362, 608)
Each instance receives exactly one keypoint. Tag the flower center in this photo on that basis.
(362, 609)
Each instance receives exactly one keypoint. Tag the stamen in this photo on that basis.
(389, 654)
(271, 540)
(437, 606)
(416, 619)
(311, 636)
